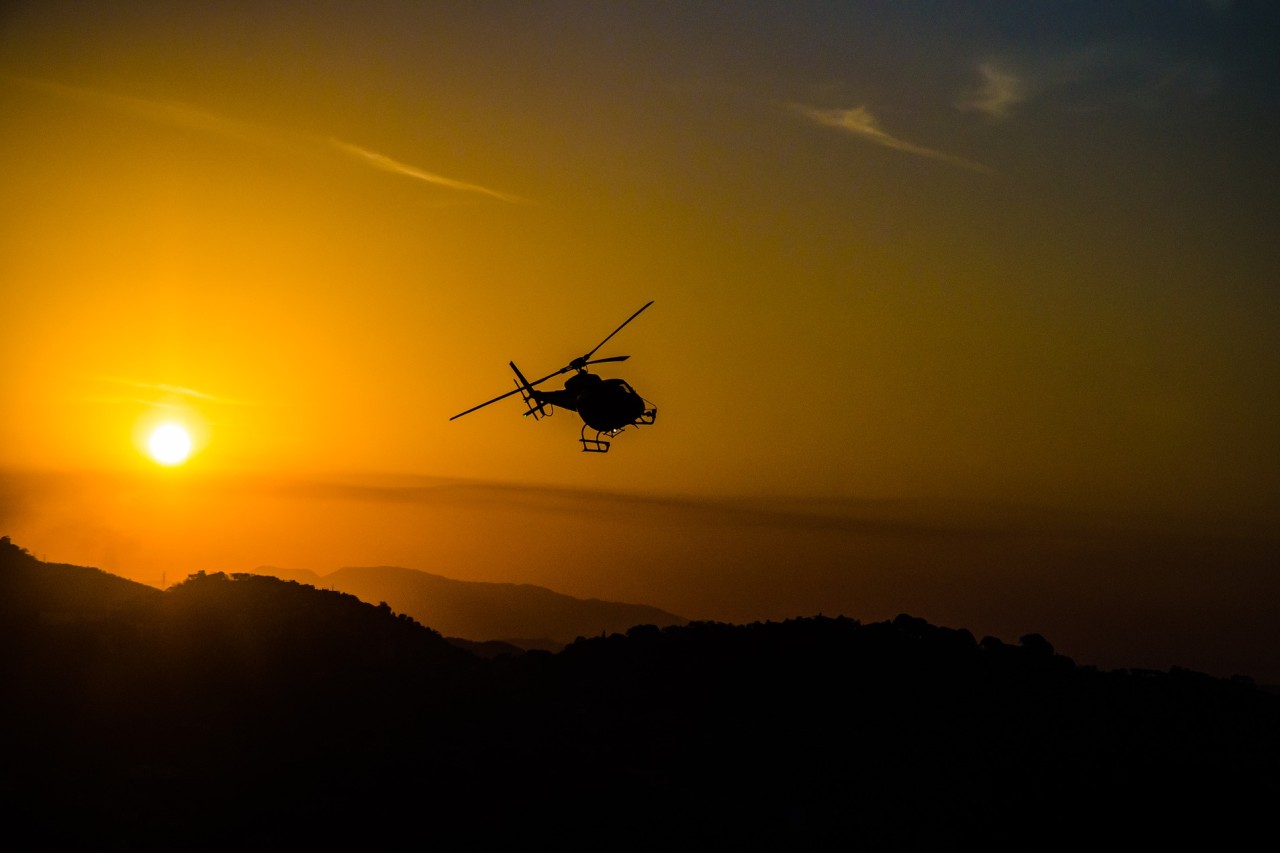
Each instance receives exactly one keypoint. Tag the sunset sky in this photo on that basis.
(923, 273)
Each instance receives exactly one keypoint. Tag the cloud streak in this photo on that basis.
(1093, 77)
(861, 123)
(178, 114)
(386, 164)
(997, 94)
(171, 394)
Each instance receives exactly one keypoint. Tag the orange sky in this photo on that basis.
(999, 260)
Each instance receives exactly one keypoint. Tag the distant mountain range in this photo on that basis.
(522, 615)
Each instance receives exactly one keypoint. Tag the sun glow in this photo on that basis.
(169, 444)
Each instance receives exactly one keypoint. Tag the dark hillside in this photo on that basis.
(249, 712)
(54, 592)
(895, 734)
(175, 718)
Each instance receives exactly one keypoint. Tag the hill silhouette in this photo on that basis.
(522, 615)
(250, 712)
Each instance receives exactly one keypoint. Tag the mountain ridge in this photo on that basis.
(521, 614)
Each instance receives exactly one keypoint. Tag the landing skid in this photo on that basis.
(597, 444)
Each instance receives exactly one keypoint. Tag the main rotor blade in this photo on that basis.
(615, 331)
(564, 369)
(482, 405)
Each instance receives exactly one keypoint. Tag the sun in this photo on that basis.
(169, 444)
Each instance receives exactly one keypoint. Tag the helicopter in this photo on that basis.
(606, 406)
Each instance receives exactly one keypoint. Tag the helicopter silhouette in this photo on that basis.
(606, 406)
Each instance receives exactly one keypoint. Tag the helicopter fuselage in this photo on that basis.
(604, 405)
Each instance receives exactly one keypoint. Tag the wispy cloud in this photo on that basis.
(998, 92)
(1093, 77)
(172, 113)
(178, 114)
(161, 395)
(861, 123)
(385, 163)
